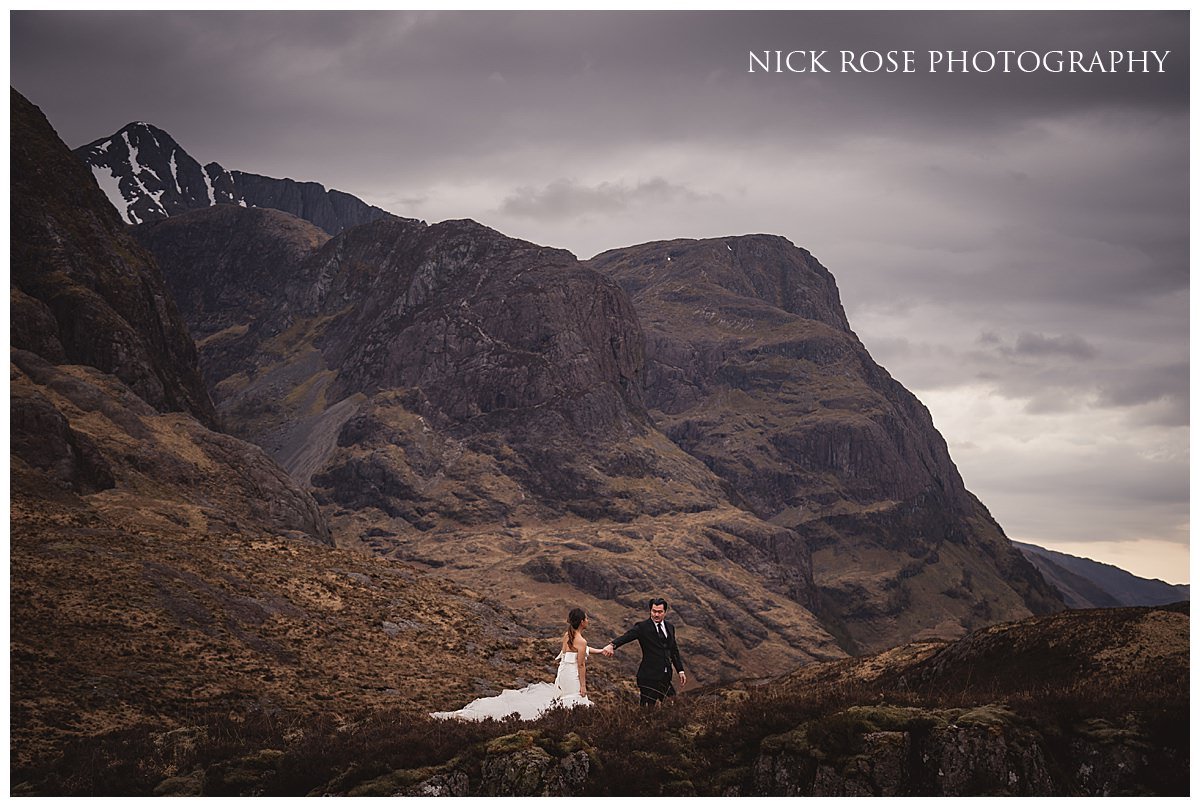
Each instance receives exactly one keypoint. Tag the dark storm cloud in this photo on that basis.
(564, 198)
(1145, 384)
(1052, 370)
(1070, 345)
(1054, 374)
(647, 74)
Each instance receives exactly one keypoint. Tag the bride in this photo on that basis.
(569, 688)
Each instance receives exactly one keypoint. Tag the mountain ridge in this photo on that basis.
(1088, 583)
(102, 303)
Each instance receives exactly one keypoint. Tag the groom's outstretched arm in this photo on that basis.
(626, 638)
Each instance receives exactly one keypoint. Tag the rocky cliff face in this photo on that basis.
(752, 368)
(102, 365)
(474, 402)
(466, 330)
(447, 379)
(147, 176)
(82, 290)
(223, 295)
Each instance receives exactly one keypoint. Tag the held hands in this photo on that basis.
(608, 650)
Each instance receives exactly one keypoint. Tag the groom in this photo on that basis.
(659, 652)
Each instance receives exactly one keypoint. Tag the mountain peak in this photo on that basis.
(136, 134)
(141, 124)
(763, 267)
(148, 176)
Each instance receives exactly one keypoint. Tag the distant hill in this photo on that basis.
(1087, 583)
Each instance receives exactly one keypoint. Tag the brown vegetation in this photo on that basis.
(725, 740)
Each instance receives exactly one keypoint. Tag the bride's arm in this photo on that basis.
(581, 650)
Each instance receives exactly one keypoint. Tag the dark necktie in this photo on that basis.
(662, 631)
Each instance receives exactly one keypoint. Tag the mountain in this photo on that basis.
(473, 402)
(752, 368)
(1079, 703)
(705, 427)
(1087, 583)
(148, 176)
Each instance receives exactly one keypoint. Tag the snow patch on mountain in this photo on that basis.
(208, 188)
(111, 187)
(133, 153)
(175, 173)
(136, 170)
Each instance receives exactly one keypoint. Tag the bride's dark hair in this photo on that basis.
(574, 620)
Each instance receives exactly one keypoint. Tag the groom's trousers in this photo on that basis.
(655, 691)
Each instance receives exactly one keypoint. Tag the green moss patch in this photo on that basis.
(511, 743)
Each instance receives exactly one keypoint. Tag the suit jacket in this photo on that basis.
(657, 655)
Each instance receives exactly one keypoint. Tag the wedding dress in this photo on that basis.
(531, 701)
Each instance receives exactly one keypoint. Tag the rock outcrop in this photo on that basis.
(1075, 703)
(529, 770)
(896, 751)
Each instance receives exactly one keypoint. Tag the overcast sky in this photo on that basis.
(1011, 247)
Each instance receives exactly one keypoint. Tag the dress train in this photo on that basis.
(528, 702)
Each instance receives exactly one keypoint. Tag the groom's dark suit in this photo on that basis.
(658, 654)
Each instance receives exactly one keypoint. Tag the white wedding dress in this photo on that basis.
(531, 701)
